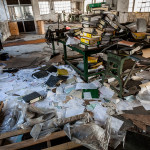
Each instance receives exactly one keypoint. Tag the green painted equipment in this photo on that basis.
(96, 5)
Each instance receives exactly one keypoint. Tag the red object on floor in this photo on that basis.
(68, 28)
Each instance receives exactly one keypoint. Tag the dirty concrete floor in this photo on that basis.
(32, 55)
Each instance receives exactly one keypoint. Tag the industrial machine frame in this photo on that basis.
(85, 52)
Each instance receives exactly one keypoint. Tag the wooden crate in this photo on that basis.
(31, 142)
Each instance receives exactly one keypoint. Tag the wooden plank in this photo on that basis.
(24, 42)
(14, 133)
(65, 146)
(1, 106)
(31, 142)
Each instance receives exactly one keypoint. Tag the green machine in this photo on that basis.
(95, 5)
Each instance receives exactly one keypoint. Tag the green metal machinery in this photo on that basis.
(95, 5)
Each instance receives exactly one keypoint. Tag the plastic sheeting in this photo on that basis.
(90, 135)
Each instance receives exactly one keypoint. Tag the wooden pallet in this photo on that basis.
(31, 142)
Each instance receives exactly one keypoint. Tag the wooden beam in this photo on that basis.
(1, 105)
(65, 146)
(24, 42)
(31, 142)
(14, 133)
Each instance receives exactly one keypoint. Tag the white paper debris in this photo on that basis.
(80, 86)
(100, 113)
(59, 90)
(116, 124)
(106, 92)
(74, 111)
(145, 105)
(87, 95)
(124, 106)
(97, 83)
(77, 94)
(69, 88)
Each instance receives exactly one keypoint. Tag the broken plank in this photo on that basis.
(14, 133)
(24, 42)
(31, 142)
(65, 146)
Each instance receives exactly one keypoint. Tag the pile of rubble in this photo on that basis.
(70, 103)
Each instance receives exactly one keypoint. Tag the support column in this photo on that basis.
(36, 12)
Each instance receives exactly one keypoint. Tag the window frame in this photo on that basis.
(42, 7)
(59, 8)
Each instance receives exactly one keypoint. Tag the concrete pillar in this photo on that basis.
(4, 28)
(51, 5)
(36, 12)
(122, 5)
(3, 15)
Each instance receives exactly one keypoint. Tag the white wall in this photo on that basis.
(51, 16)
(4, 28)
(36, 10)
(122, 5)
(3, 15)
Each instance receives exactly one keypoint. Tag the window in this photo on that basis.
(15, 12)
(44, 7)
(62, 6)
(140, 6)
(86, 2)
(130, 6)
(99, 1)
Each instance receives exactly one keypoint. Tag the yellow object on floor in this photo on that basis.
(97, 65)
(92, 60)
(62, 72)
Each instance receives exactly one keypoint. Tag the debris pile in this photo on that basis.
(96, 114)
(65, 101)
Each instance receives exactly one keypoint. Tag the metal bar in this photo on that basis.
(22, 16)
(85, 59)
(77, 50)
(65, 52)
(129, 74)
(97, 73)
(75, 68)
(53, 47)
(85, 54)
